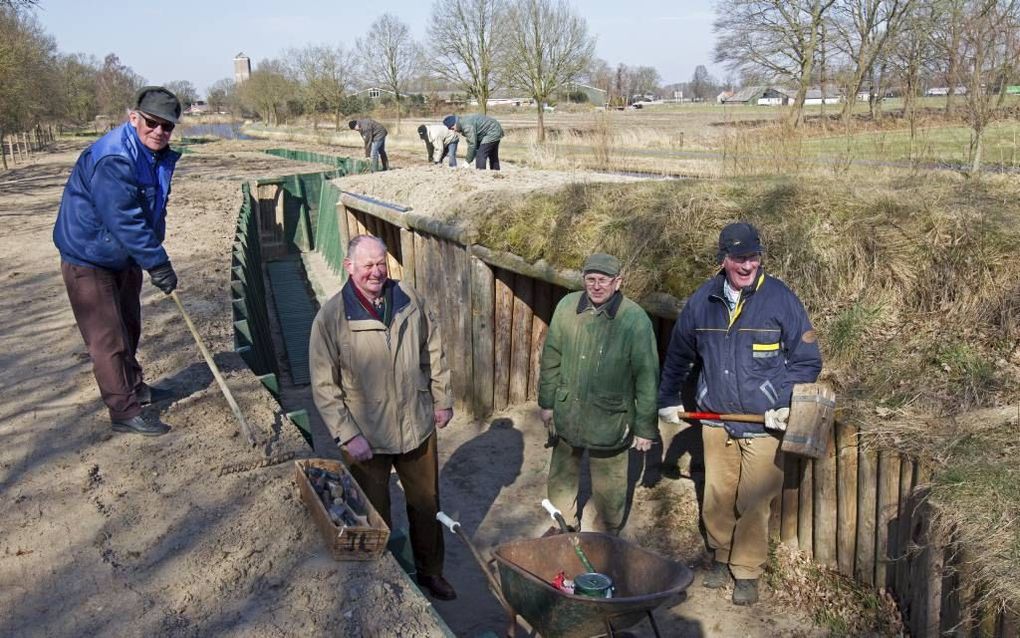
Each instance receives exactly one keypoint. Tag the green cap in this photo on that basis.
(603, 263)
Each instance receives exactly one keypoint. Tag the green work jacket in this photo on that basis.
(600, 372)
(478, 130)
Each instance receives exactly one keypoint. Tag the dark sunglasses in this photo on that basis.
(151, 123)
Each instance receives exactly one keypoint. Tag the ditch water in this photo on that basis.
(227, 131)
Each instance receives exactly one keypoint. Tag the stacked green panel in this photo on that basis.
(252, 335)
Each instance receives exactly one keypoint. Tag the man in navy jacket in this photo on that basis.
(110, 227)
(752, 340)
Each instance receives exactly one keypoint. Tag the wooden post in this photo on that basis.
(775, 517)
(28, 146)
(867, 493)
(846, 496)
(520, 350)
(951, 604)
(887, 506)
(805, 522)
(483, 304)
(503, 325)
(904, 533)
(925, 607)
(791, 501)
(539, 328)
(463, 321)
(407, 255)
(825, 509)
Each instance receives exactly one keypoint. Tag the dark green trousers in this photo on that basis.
(608, 485)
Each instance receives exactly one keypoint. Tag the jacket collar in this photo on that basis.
(611, 307)
(720, 278)
(357, 312)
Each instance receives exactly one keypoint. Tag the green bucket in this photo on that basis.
(593, 585)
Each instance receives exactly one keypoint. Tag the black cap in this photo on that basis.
(158, 101)
(352, 124)
(739, 239)
(421, 131)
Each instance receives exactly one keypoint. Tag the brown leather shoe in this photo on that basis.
(437, 586)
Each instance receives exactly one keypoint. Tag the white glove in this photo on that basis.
(669, 415)
(776, 419)
(466, 165)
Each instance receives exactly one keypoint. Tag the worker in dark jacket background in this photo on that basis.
(751, 339)
(482, 133)
(596, 389)
(374, 135)
(110, 227)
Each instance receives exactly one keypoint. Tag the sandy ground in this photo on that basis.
(120, 535)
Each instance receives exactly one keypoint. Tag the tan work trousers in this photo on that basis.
(742, 476)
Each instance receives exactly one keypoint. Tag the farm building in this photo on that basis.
(815, 96)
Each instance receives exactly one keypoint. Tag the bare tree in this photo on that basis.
(184, 90)
(221, 95)
(268, 90)
(910, 51)
(947, 40)
(27, 71)
(987, 40)
(702, 84)
(116, 85)
(326, 74)
(777, 37)
(464, 45)
(547, 46)
(862, 30)
(78, 86)
(389, 55)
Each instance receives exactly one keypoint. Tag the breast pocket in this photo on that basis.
(766, 353)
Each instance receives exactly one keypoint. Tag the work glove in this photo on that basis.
(164, 278)
(550, 427)
(669, 415)
(776, 419)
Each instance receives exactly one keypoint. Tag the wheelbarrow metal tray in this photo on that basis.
(643, 581)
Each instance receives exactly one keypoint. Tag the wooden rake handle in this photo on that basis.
(715, 416)
(216, 372)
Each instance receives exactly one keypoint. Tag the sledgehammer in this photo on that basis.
(216, 373)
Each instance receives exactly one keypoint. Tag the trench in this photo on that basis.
(858, 512)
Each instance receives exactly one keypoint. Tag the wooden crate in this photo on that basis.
(344, 543)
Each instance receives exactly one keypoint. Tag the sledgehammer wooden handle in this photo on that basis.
(715, 416)
(216, 373)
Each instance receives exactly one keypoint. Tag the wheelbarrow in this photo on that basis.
(526, 569)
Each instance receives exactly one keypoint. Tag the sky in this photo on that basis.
(197, 41)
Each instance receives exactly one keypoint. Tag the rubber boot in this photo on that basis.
(717, 576)
(745, 591)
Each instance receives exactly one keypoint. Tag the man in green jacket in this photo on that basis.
(597, 392)
(482, 133)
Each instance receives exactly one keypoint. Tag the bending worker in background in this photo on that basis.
(482, 133)
(437, 136)
(381, 383)
(110, 227)
(596, 391)
(374, 135)
(753, 341)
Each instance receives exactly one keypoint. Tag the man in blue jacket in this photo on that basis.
(752, 340)
(110, 227)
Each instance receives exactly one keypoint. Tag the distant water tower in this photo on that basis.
(242, 68)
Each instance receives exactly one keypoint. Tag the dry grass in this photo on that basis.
(843, 606)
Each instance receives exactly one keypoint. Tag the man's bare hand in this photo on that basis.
(641, 445)
(443, 417)
(359, 449)
(546, 416)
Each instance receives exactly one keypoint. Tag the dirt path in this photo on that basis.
(120, 535)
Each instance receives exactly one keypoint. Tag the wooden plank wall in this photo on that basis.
(860, 511)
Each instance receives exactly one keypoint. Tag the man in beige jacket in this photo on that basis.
(382, 385)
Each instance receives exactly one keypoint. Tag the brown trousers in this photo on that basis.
(418, 471)
(108, 312)
(742, 476)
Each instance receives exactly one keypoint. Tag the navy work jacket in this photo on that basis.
(113, 212)
(749, 360)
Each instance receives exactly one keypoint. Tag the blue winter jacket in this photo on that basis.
(748, 364)
(113, 212)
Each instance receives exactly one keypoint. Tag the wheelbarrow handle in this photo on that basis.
(715, 416)
(450, 524)
(494, 586)
(556, 515)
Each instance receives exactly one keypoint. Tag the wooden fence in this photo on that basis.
(18, 147)
(860, 511)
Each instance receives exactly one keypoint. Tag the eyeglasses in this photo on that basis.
(596, 281)
(153, 124)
